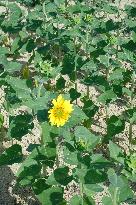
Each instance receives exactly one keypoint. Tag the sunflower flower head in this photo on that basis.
(60, 112)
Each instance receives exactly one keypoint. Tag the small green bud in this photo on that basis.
(132, 162)
(81, 145)
(62, 8)
(77, 20)
(88, 17)
(46, 67)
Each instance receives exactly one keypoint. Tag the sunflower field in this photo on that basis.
(68, 100)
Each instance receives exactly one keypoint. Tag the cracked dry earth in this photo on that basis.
(12, 195)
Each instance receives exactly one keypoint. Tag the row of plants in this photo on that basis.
(48, 51)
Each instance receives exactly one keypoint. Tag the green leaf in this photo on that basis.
(50, 132)
(134, 36)
(60, 176)
(127, 76)
(29, 46)
(82, 133)
(60, 84)
(45, 154)
(130, 115)
(110, 9)
(92, 188)
(91, 176)
(116, 75)
(129, 48)
(4, 50)
(97, 80)
(127, 91)
(11, 100)
(39, 103)
(76, 200)
(119, 188)
(28, 171)
(89, 66)
(70, 154)
(20, 125)
(113, 178)
(74, 94)
(89, 108)
(115, 125)
(106, 200)
(31, 167)
(51, 196)
(13, 66)
(130, 176)
(23, 34)
(11, 155)
(20, 86)
(130, 10)
(14, 16)
(68, 65)
(98, 161)
(46, 129)
(116, 152)
(104, 60)
(118, 90)
(107, 97)
(126, 55)
(88, 200)
(10, 66)
(16, 45)
(40, 185)
(125, 192)
(28, 2)
(77, 116)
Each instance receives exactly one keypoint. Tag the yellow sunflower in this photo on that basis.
(60, 112)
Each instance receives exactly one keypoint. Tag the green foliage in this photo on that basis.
(119, 188)
(86, 51)
(1, 120)
(115, 125)
(60, 176)
(132, 163)
(20, 126)
(116, 153)
(83, 135)
(11, 155)
(54, 195)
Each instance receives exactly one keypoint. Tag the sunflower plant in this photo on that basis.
(68, 70)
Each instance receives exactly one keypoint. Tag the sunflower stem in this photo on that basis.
(118, 31)
(44, 12)
(39, 90)
(66, 3)
(115, 196)
(107, 75)
(76, 89)
(130, 135)
(87, 56)
(131, 106)
(57, 151)
(75, 67)
(87, 90)
(81, 192)
(44, 168)
(81, 188)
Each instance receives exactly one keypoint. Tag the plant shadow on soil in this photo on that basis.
(7, 177)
